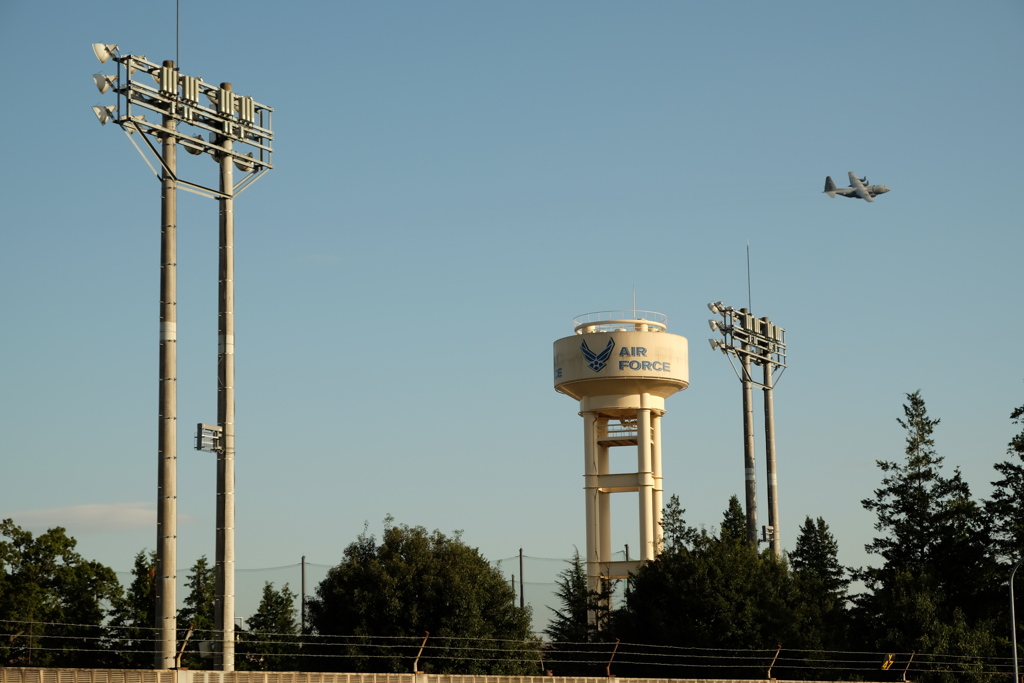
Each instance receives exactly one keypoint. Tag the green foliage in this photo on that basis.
(937, 590)
(676, 533)
(578, 633)
(133, 617)
(1006, 507)
(822, 584)
(817, 555)
(715, 592)
(52, 600)
(734, 521)
(389, 594)
(271, 642)
(198, 610)
(571, 623)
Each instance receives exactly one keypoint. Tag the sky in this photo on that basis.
(454, 182)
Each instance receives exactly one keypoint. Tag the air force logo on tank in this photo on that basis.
(628, 358)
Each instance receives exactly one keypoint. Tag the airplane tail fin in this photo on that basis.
(830, 187)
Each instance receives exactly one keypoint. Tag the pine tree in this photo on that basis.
(734, 521)
(937, 570)
(270, 643)
(570, 624)
(133, 621)
(199, 611)
(822, 584)
(1006, 507)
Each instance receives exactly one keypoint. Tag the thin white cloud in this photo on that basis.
(97, 518)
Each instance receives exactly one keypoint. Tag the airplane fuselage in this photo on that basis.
(859, 189)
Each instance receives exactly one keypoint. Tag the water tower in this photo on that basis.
(621, 366)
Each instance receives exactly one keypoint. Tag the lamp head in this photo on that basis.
(104, 114)
(104, 82)
(103, 52)
(243, 165)
(196, 149)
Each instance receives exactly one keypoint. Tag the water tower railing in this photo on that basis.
(613, 321)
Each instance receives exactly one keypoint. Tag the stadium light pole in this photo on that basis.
(200, 129)
(754, 341)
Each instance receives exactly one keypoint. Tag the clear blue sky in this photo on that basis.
(454, 182)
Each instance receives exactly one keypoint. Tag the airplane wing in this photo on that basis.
(859, 188)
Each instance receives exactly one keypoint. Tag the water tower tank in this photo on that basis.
(621, 366)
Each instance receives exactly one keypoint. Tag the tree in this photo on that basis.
(412, 582)
(822, 584)
(676, 534)
(571, 624)
(582, 622)
(734, 522)
(270, 644)
(1006, 507)
(708, 592)
(199, 609)
(937, 580)
(133, 618)
(817, 554)
(52, 599)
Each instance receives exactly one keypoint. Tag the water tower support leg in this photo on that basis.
(659, 503)
(593, 504)
(645, 479)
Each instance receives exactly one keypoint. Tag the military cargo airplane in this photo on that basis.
(859, 188)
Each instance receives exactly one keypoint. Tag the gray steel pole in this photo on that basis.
(748, 450)
(1013, 623)
(225, 570)
(769, 437)
(167, 438)
(522, 596)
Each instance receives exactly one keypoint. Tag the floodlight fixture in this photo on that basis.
(195, 149)
(245, 164)
(131, 64)
(715, 343)
(104, 82)
(714, 325)
(103, 52)
(104, 114)
(713, 307)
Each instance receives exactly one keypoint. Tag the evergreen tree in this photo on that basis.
(582, 622)
(734, 521)
(937, 579)
(199, 608)
(817, 554)
(1006, 507)
(571, 623)
(270, 643)
(708, 592)
(133, 619)
(676, 533)
(822, 585)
